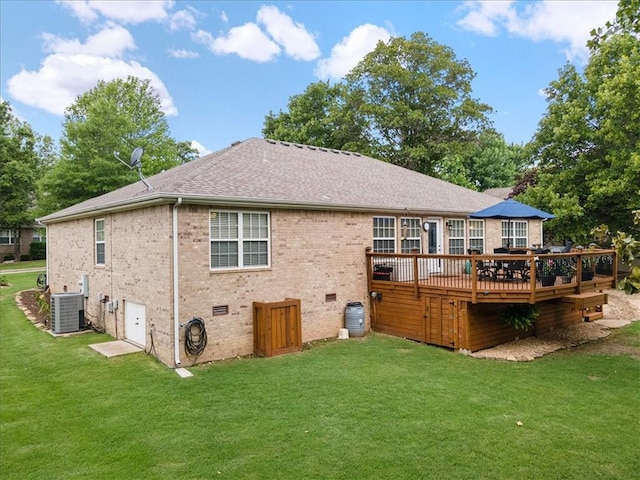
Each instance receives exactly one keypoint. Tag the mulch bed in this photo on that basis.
(28, 302)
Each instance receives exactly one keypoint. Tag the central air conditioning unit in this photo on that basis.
(67, 312)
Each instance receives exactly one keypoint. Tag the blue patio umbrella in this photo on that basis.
(511, 210)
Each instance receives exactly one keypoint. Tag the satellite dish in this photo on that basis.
(135, 162)
(135, 157)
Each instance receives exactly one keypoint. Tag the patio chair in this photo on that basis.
(521, 267)
(501, 268)
(483, 267)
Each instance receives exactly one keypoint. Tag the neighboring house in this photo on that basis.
(502, 193)
(259, 221)
(9, 237)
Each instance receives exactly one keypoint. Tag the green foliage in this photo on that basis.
(587, 146)
(631, 283)
(520, 316)
(115, 116)
(627, 20)
(407, 102)
(3, 281)
(23, 157)
(38, 250)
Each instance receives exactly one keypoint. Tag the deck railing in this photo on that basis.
(518, 273)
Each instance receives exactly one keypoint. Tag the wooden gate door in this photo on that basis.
(277, 328)
(439, 314)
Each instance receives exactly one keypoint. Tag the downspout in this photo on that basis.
(176, 296)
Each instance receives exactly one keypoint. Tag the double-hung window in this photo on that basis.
(410, 231)
(100, 241)
(239, 239)
(39, 235)
(384, 234)
(7, 237)
(476, 235)
(514, 233)
(456, 237)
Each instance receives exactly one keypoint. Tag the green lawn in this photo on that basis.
(378, 408)
(19, 265)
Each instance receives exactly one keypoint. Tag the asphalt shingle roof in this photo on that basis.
(274, 173)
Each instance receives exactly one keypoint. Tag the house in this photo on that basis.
(260, 221)
(9, 237)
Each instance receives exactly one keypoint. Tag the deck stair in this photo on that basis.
(589, 302)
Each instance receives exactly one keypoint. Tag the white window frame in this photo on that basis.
(456, 236)
(384, 234)
(413, 236)
(515, 233)
(476, 235)
(239, 233)
(39, 235)
(100, 241)
(9, 235)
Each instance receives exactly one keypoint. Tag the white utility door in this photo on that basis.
(135, 329)
(434, 243)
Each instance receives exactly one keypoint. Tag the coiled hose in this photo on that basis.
(195, 337)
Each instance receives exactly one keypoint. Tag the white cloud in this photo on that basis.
(566, 23)
(74, 67)
(112, 41)
(202, 150)
(346, 54)
(297, 42)
(246, 41)
(224, 17)
(128, 11)
(182, 53)
(183, 19)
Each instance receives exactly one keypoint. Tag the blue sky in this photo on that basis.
(220, 67)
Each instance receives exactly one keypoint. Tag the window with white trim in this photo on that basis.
(100, 242)
(238, 239)
(384, 234)
(515, 233)
(40, 235)
(7, 237)
(476, 235)
(411, 235)
(456, 237)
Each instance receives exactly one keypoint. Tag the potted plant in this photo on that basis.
(566, 270)
(548, 272)
(588, 264)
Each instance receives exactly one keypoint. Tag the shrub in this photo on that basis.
(25, 258)
(520, 315)
(3, 281)
(38, 250)
(8, 258)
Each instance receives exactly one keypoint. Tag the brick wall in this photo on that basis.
(137, 269)
(314, 254)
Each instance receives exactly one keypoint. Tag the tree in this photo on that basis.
(627, 20)
(320, 116)
(587, 145)
(407, 102)
(115, 116)
(23, 156)
(489, 162)
(416, 101)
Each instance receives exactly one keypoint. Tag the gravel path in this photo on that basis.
(620, 307)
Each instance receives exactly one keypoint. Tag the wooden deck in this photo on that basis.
(456, 300)
(458, 276)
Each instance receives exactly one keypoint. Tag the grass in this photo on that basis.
(379, 408)
(20, 265)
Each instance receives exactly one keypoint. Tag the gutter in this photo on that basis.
(160, 198)
(176, 296)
